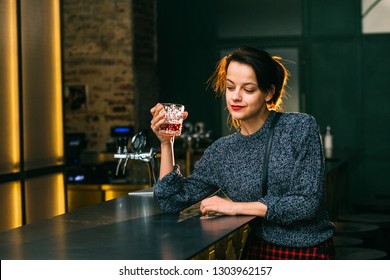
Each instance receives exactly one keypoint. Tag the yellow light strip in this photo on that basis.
(11, 204)
(57, 82)
(13, 88)
(16, 205)
(60, 194)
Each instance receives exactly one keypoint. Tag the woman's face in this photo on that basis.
(245, 101)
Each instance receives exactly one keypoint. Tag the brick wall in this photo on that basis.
(101, 50)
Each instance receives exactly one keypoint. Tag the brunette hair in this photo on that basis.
(268, 69)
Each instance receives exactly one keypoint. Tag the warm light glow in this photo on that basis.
(11, 89)
(59, 206)
(114, 191)
(45, 197)
(57, 82)
(11, 204)
(42, 84)
(16, 198)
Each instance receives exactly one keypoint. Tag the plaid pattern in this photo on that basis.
(258, 249)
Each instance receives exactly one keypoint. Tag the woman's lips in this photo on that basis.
(236, 107)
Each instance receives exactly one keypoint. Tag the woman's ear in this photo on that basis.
(270, 94)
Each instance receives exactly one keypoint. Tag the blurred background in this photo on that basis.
(77, 74)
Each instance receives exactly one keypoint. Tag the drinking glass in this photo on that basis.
(174, 119)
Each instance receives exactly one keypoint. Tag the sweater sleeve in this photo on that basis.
(305, 187)
(176, 192)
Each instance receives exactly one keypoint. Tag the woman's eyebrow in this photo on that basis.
(228, 80)
(245, 84)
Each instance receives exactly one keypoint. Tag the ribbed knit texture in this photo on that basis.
(297, 214)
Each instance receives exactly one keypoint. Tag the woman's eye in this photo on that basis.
(230, 88)
(249, 89)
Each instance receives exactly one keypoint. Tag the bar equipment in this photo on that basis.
(138, 142)
(194, 139)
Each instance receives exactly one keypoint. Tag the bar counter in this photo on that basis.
(125, 228)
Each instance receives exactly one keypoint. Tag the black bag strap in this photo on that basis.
(264, 186)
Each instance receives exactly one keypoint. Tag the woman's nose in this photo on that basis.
(236, 95)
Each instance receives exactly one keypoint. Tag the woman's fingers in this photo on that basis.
(206, 205)
(185, 115)
(216, 204)
(158, 117)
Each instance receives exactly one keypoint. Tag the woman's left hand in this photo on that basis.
(228, 207)
(217, 204)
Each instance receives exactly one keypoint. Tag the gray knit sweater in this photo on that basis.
(297, 211)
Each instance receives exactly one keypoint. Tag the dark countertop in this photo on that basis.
(129, 227)
(340, 158)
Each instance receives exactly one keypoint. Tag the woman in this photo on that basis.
(293, 222)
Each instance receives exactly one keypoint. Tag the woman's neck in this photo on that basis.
(249, 127)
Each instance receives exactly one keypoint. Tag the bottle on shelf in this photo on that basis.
(328, 143)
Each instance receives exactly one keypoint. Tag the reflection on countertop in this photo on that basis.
(129, 227)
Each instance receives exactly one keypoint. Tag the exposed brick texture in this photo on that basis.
(109, 46)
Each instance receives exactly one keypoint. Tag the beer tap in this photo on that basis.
(138, 143)
(121, 153)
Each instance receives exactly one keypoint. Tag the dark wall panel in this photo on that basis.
(186, 58)
(376, 124)
(333, 17)
(333, 96)
(376, 95)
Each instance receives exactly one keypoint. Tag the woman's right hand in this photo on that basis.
(158, 119)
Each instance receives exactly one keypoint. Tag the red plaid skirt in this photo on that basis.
(257, 249)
